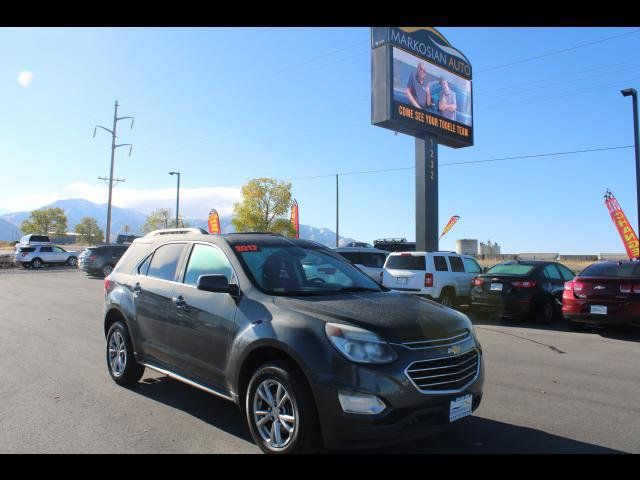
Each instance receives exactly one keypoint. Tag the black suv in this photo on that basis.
(99, 261)
(311, 349)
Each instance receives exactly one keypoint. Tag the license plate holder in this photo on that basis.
(496, 287)
(598, 309)
(401, 280)
(460, 407)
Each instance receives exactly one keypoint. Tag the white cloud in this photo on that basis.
(25, 78)
(194, 202)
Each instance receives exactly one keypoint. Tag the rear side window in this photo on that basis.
(372, 260)
(566, 273)
(552, 272)
(206, 260)
(471, 266)
(165, 261)
(456, 264)
(27, 249)
(440, 263)
(406, 262)
(46, 249)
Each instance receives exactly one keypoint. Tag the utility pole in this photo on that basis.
(636, 137)
(177, 197)
(116, 119)
(337, 211)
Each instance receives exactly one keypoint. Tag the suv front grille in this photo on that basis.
(445, 375)
(457, 337)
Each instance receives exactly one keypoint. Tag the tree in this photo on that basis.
(265, 207)
(162, 218)
(45, 221)
(89, 232)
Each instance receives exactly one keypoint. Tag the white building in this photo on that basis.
(488, 248)
(466, 246)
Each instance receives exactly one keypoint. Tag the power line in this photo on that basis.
(499, 159)
(557, 52)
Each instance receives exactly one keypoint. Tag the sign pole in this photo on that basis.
(427, 193)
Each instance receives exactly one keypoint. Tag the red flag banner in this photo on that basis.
(295, 219)
(214, 222)
(452, 222)
(627, 234)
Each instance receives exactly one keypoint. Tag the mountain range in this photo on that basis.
(77, 208)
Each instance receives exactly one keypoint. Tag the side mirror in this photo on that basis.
(217, 284)
(484, 269)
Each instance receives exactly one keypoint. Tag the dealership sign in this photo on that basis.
(421, 85)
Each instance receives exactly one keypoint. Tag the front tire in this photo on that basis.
(121, 361)
(280, 410)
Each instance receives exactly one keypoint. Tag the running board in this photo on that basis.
(180, 378)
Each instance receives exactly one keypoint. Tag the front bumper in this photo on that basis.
(410, 414)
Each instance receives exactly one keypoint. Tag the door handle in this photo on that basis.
(179, 301)
(137, 289)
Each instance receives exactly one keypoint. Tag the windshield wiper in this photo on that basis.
(358, 289)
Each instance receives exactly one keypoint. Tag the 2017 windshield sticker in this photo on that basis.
(251, 247)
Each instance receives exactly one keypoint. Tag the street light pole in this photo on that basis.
(177, 196)
(636, 137)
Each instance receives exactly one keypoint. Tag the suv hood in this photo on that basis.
(396, 317)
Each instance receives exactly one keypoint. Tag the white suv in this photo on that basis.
(368, 259)
(36, 256)
(442, 276)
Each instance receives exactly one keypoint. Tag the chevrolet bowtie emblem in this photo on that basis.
(599, 287)
(454, 350)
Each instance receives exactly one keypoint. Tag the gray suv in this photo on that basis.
(312, 351)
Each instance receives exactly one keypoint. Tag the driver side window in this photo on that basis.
(207, 260)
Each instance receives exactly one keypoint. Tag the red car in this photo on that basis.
(605, 293)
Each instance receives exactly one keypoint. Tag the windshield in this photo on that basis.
(294, 270)
(615, 270)
(510, 269)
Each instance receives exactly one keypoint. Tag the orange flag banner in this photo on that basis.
(295, 219)
(214, 222)
(452, 222)
(627, 234)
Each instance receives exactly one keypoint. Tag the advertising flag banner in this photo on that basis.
(214, 222)
(295, 219)
(451, 223)
(627, 234)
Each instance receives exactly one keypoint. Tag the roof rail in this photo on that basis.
(254, 233)
(173, 231)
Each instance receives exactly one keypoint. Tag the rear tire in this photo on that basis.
(121, 361)
(447, 298)
(106, 270)
(36, 263)
(545, 312)
(300, 431)
(72, 261)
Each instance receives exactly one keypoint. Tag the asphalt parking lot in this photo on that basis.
(547, 390)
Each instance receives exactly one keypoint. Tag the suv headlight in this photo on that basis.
(359, 345)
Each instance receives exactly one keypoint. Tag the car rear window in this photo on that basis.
(406, 262)
(39, 238)
(372, 260)
(353, 257)
(511, 269)
(624, 270)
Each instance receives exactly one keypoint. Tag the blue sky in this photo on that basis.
(223, 105)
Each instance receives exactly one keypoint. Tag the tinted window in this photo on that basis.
(456, 264)
(206, 260)
(566, 273)
(552, 272)
(353, 257)
(58, 250)
(165, 261)
(373, 260)
(406, 262)
(606, 269)
(510, 269)
(471, 266)
(27, 249)
(144, 266)
(440, 263)
(45, 249)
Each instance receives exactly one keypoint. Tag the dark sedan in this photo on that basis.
(605, 293)
(521, 289)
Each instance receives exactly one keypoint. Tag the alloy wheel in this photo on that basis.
(117, 354)
(106, 271)
(273, 413)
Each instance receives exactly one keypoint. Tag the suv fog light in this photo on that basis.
(352, 402)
